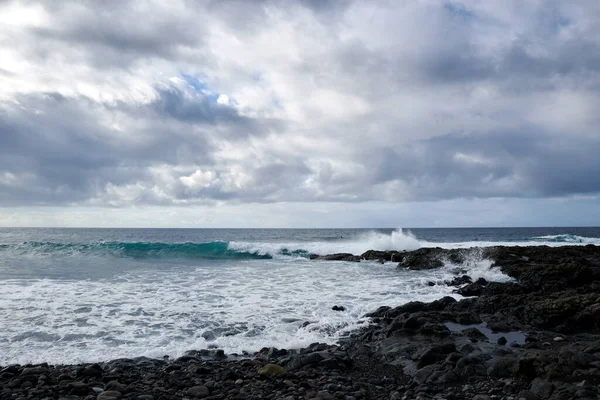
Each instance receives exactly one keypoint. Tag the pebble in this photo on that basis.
(26, 385)
(109, 395)
(271, 370)
(198, 392)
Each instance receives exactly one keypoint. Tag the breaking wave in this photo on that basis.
(239, 250)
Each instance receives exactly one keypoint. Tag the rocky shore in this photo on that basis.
(537, 337)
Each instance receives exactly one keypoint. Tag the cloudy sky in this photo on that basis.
(299, 113)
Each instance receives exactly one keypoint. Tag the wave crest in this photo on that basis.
(143, 250)
(566, 238)
(398, 240)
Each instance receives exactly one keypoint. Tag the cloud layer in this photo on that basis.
(199, 103)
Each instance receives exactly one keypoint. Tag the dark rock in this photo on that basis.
(11, 369)
(34, 371)
(78, 387)
(109, 395)
(528, 395)
(440, 330)
(502, 367)
(26, 385)
(472, 289)
(460, 280)
(502, 341)
(198, 392)
(274, 353)
(423, 374)
(393, 256)
(434, 354)
(474, 334)
(6, 375)
(271, 370)
(481, 281)
(116, 385)
(338, 257)
(338, 308)
(426, 258)
(542, 388)
(92, 371)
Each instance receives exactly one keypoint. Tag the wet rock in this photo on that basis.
(502, 341)
(11, 369)
(423, 374)
(34, 371)
(338, 257)
(109, 395)
(502, 367)
(78, 387)
(474, 334)
(92, 371)
(198, 392)
(275, 353)
(528, 395)
(435, 353)
(393, 256)
(338, 308)
(271, 370)
(26, 385)
(6, 375)
(460, 280)
(542, 388)
(421, 259)
(116, 385)
(472, 289)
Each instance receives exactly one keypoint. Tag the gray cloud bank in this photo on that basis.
(113, 104)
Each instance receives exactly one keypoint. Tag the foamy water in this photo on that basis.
(101, 306)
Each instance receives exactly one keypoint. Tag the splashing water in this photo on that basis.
(97, 298)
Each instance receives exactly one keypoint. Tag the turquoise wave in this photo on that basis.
(566, 238)
(142, 250)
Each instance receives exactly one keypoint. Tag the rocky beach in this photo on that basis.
(534, 337)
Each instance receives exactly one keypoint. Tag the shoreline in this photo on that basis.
(408, 352)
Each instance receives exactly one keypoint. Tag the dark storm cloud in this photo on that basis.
(513, 164)
(116, 32)
(60, 150)
(194, 109)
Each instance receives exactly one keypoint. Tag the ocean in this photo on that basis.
(86, 295)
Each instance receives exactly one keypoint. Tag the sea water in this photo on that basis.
(83, 295)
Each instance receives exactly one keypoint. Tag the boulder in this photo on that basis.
(198, 392)
(271, 370)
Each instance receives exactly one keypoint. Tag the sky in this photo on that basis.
(307, 113)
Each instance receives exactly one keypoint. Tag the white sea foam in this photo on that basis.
(568, 239)
(397, 240)
(159, 307)
(243, 305)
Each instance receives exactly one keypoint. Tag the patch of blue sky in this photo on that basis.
(200, 87)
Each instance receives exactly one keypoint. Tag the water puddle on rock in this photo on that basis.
(514, 337)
